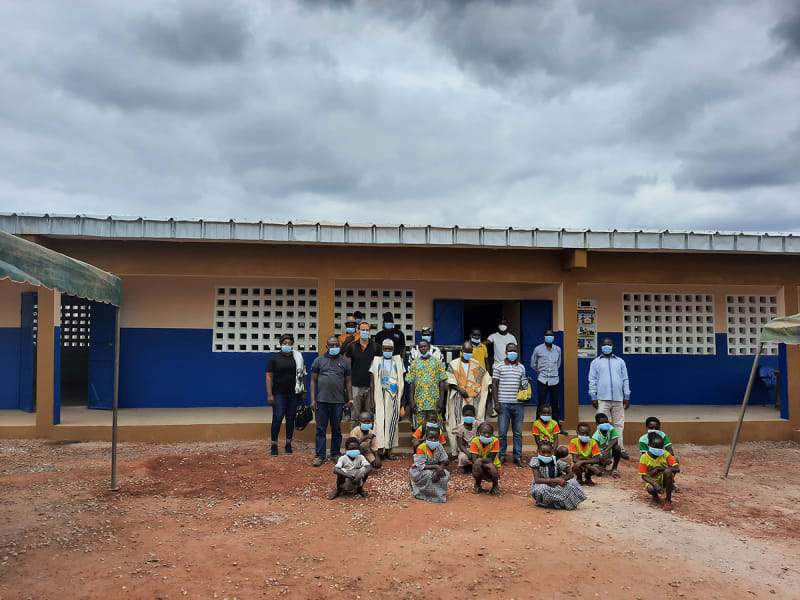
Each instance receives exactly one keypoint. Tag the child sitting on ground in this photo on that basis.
(351, 470)
(428, 476)
(485, 464)
(554, 485)
(585, 455)
(653, 425)
(464, 432)
(657, 468)
(546, 428)
(367, 442)
(421, 434)
(608, 440)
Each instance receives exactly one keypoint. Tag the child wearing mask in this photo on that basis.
(464, 432)
(653, 425)
(658, 468)
(351, 470)
(554, 484)
(546, 428)
(585, 454)
(367, 442)
(608, 440)
(484, 451)
(428, 476)
(431, 421)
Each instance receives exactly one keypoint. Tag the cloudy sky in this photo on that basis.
(567, 113)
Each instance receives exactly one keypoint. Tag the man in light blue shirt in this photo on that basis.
(609, 388)
(546, 361)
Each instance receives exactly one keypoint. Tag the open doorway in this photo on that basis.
(76, 319)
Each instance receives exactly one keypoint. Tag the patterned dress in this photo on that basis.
(425, 374)
(423, 487)
(566, 497)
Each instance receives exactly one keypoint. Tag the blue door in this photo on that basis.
(535, 317)
(27, 356)
(101, 356)
(448, 322)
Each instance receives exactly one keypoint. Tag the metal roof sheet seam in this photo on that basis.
(168, 228)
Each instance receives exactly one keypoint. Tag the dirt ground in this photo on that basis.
(226, 520)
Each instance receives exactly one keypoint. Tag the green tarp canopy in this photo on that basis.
(25, 262)
(783, 330)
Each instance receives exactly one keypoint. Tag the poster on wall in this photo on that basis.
(587, 329)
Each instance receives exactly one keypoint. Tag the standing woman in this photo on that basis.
(426, 384)
(385, 393)
(286, 386)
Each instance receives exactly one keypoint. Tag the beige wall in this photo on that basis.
(11, 301)
(608, 297)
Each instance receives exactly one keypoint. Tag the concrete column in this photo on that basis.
(568, 294)
(792, 306)
(49, 317)
(325, 319)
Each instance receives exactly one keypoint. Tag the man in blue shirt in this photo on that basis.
(546, 360)
(609, 388)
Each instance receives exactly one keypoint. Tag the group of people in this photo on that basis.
(449, 404)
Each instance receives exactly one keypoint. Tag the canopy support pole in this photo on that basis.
(744, 408)
(114, 486)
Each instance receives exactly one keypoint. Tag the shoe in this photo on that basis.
(288, 448)
(502, 460)
(518, 462)
(335, 458)
(334, 494)
(494, 492)
(317, 462)
(273, 450)
(624, 455)
(362, 492)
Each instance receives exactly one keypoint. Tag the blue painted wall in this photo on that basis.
(176, 367)
(9, 367)
(687, 379)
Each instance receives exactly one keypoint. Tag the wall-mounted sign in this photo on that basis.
(587, 329)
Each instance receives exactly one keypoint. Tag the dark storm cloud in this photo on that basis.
(787, 31)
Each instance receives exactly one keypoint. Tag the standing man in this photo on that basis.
(609, 388)
(390, 332)
(426, 385)
(286, 387)
(331, 390)
(386, 394)
(360, 354)
(546, 360)
(426, 333)
(468, 384)
(350, 334)
(499, 340)
(506, 383)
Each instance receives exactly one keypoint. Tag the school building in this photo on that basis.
(203, 303)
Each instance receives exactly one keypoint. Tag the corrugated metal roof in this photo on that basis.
(144, 228)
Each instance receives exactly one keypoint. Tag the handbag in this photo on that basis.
(525, 392)
(302, 417)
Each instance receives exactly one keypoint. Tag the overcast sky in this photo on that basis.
(568, 113)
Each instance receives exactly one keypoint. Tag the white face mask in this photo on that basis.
(502, 328)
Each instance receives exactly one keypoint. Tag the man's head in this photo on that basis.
(366, 419)
(653, 424)
(351, 444)
(287, 341)
(475, 335)
(549, 337)
(358, 316)
(545, 448)
(511, 352)
(363, 330)
(424, 348)
(426, 333)
(607, 347)
(388, 320)
(486, 430)
(466, 351)
(333, 345)
(502, 325)
(350, 324)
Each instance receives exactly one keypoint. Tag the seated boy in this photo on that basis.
(352, 470)
(421, 434)
(464, 432)
(608, 440)
(367, 442)
(657, 468)
(585, 454)
(562, 453)
(545, 428)
(485, 463)
(653, 425)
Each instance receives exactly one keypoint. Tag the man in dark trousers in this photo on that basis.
(331, 391)
(393, 333)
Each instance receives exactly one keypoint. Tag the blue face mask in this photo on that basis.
(366, 426)
(475, 340)
(466, 355)
(364, 335)
(388, 325)
(512, 356)
(427, 338)
(607, 349)
(359, 322)
(549, 339)
(658, 431)
(656, 451)
(353, 453)
(545, 459)
(387, 354)
(584, 438)
(434, 425)
(349, 329)
(546, 418)
(484, 440)
(469, 420)
(432, 445)
(334, 351)
(425, 354)
(604, 426)
(286, 349)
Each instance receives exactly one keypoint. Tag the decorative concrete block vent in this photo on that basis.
(373, 303)
(248, 319)
(668, 323)
(746, 316)
(76, 320)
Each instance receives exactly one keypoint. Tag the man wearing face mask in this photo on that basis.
(507, 377)
(499, 340)
(360, 354)
(390, 332)
(331, 390)
(426, 333)
(350, 334)
(386, 387)
(546, 360)
(468, 385)
(609, 388)
(286, 387)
